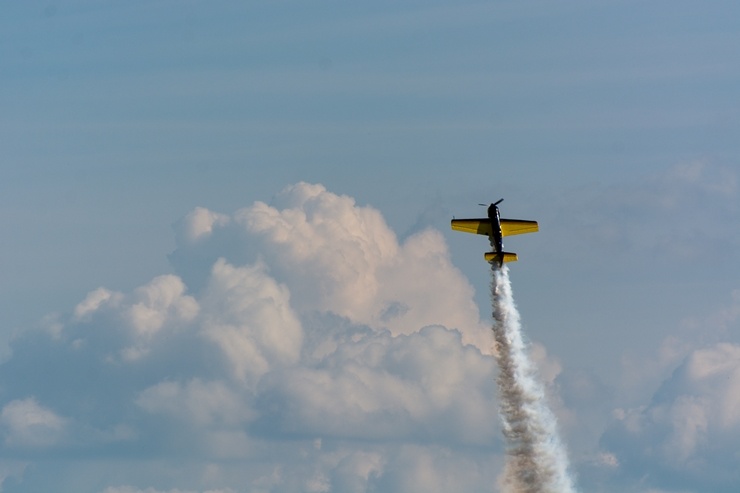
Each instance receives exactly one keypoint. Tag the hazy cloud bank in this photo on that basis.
(299, 347)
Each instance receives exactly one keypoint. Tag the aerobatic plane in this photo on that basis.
(496, 228)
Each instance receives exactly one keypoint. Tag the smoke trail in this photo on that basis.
(537, 460)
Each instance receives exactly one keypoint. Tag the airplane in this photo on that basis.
(496, 228)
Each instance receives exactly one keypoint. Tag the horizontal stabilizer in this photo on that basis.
(507, 257)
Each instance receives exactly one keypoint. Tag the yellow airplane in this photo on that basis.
(496, 228)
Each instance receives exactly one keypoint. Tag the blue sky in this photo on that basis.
(138, 140)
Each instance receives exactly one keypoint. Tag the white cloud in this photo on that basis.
(196, 403)
(147, 310)
(93, 302)
(322, 233)
(158, 302)
(26, 423)
(12, 470)
(329, 357)
(376, 387)
(640, 376)
(683, 434)
(692, 425)
(249, 316)
(341, 258)
(434, 470)
(548, 367)
(199, 224)
(136, 318)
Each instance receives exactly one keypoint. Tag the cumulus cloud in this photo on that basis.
(26, 423)
(316, 353)
(137, 317)
(376, 387)
(94, 300)
(690, 429)
(301, 346)
(338, 257)
(640, 376)
(682, 433)
(161, 300)
(195, 402)
(199, 223)
(248, 314)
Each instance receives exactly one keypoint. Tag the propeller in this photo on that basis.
(495, 203)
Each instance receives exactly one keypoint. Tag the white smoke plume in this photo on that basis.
(537, 461)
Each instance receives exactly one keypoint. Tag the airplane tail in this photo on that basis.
(500, 257)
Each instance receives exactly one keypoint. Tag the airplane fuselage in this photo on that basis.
(497, 236)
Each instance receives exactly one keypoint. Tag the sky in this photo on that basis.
(226, 258)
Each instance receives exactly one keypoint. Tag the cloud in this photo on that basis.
(131, 489)
(26, 423)
(640, 376)
(249, 316)
(314, 352)
(195, 402)
(300, 346)
(139, 316)
(679, 431)
(11, 471)
(337, 257)
(689, 431)
(93, 302)
(417, 469)
(377, 387)
(158, 302)
(199, 223)
(680, 214)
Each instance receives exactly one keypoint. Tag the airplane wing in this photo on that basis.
(477, 226)
(517, 227)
